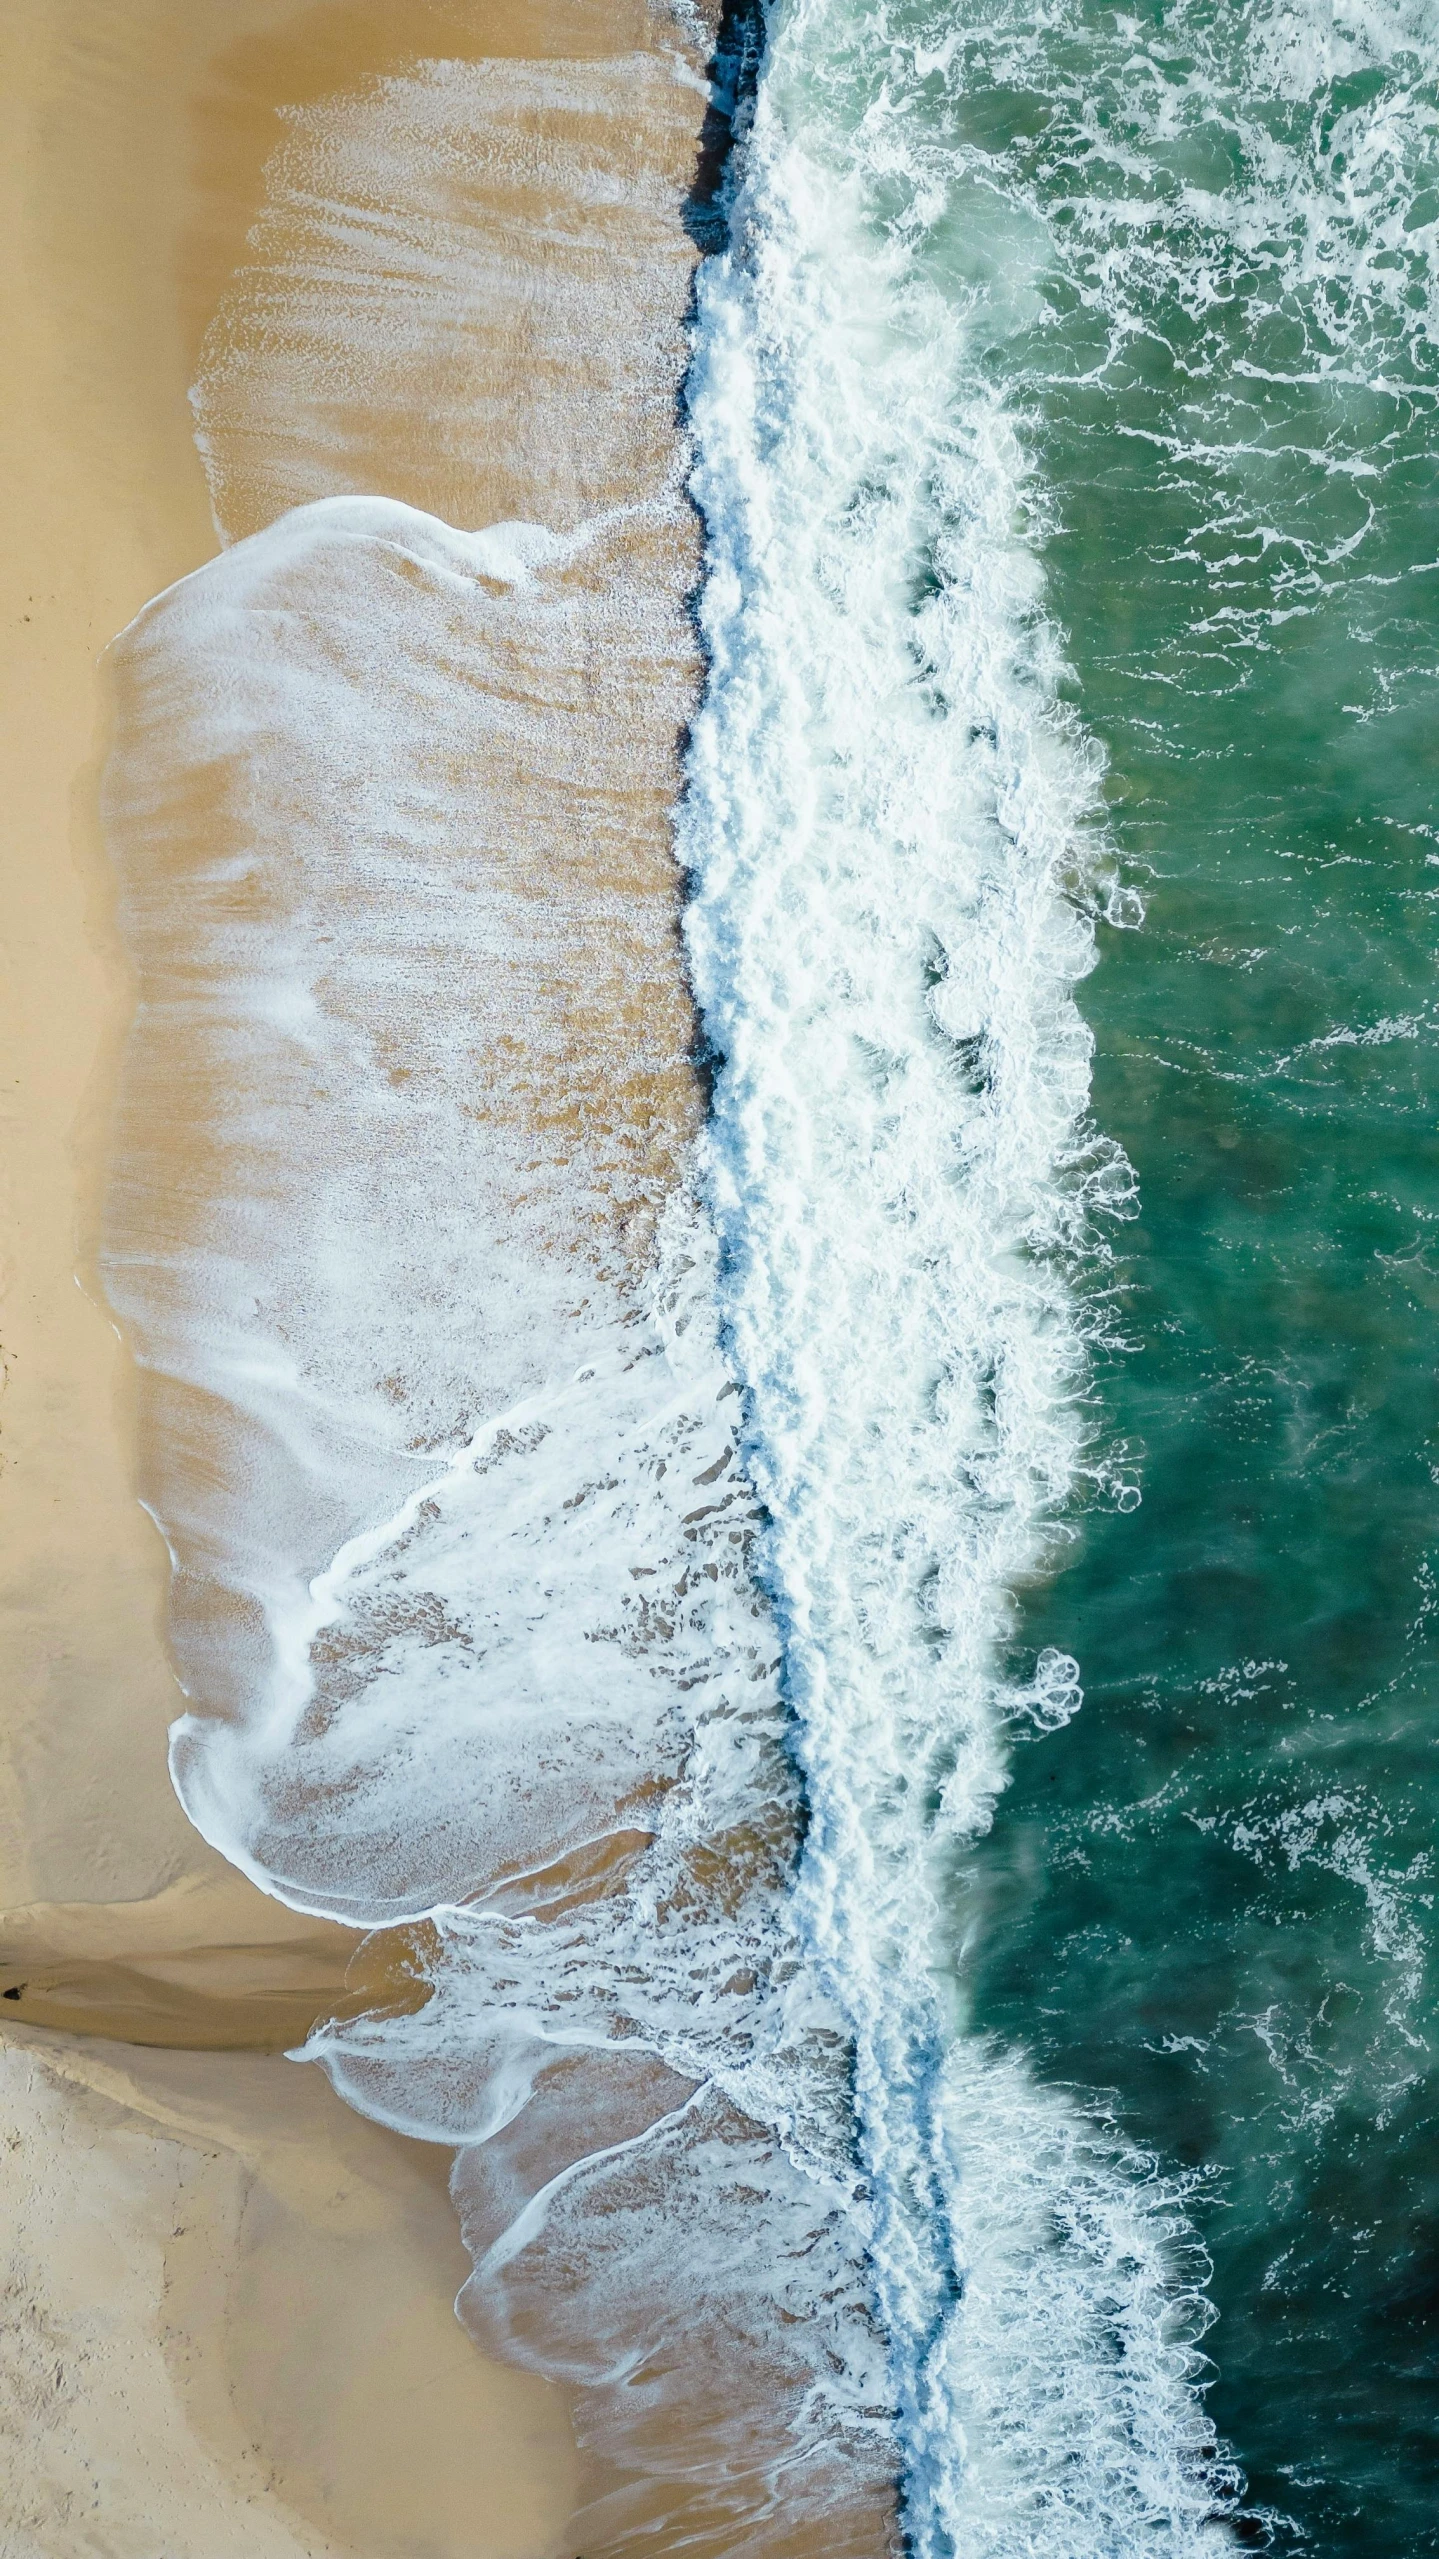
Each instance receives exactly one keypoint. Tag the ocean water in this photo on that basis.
(1212, 1895)
(869, 1650)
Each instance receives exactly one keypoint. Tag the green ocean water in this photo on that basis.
(1201, 244)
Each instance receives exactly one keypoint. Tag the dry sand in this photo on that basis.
(227, 2327)
(228, 2299)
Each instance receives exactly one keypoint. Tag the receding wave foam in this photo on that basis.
(370, 1169)
(463, 1592)
(546, 1688)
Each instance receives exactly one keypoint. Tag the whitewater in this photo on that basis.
(893, 833)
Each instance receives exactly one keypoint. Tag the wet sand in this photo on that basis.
(444, 849)
(137, 136)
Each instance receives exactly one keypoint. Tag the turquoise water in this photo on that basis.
(1211, 1894)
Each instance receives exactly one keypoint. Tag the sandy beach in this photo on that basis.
(714, 766)
(233, 2296)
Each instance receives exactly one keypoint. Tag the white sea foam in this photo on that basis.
(889, 833)
(548, 1684)
(1240, 204)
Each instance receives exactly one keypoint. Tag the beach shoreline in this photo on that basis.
(152, 1987)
